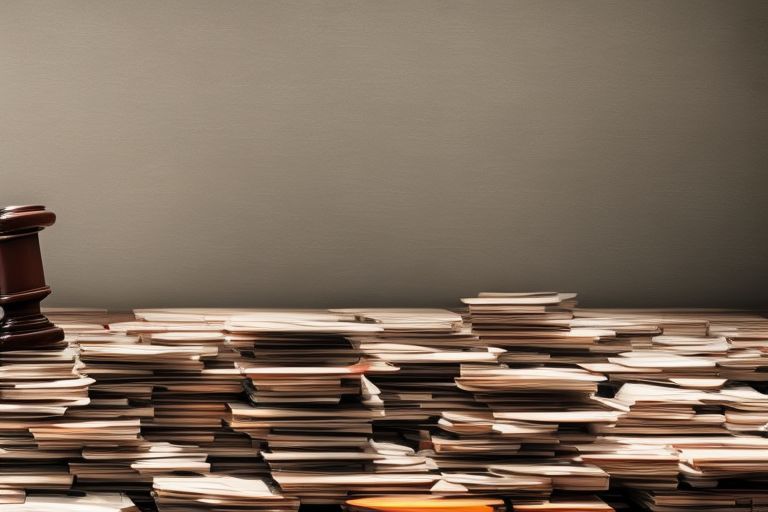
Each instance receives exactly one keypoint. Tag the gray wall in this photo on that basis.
(335, 153)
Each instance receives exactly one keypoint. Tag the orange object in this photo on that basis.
(424, 504)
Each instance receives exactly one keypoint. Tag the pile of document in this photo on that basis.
(522, 397)
(691, 394)
(218, 493)
(93, 502)
(311, 407)
(37, 390)
(540, 403)
(430, 348)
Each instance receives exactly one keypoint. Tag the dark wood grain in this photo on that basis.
(22, 281)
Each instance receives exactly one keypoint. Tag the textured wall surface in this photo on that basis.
(375, 153)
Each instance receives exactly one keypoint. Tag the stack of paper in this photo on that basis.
(715, 500)
(311, 404)
(190, 399)
(427, 348)
(570, 504)
(655, 409)
(218, 493)
(565, 475)
(37, 389)
(652, 466)
(540, 402)
(94, 502)
(523, 398)
(538, 328)
(78, 320)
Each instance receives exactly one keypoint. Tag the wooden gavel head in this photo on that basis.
(22, 282)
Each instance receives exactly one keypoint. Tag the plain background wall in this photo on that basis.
(287, 153)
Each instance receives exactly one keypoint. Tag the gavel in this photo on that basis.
(22, 282)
